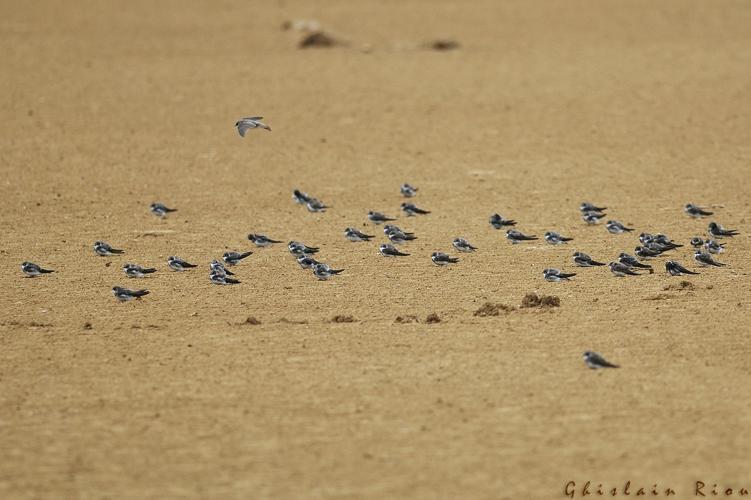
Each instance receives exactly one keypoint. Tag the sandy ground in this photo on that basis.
(108, 106)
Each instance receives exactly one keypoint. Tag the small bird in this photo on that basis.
(695, 211)
(646, 253)
(261, 240)
(645, 238)
(704, 259)
(556, 239)
(665, 242)
(442, 259)
(717, 231)
(324, 272)
(498, 221)
(124, 294)
(30, 269)
(621, 270)
(697, 242)
(316, 205)
(631, 261)
(463, 245)
(217, 267)
(675, 269)
(251, 122)
(552, 274)
(408, 191)
(160, 210)
(306, 261)
(296, 248)
(588, 207)
(390, 251)
(398, 237)
(300, 197)
(136, 271)
(391, 227)
(410, 209)
(615, 227)
(103, 249)
(583, 260)
(353, 234)
(592, 218)
(222, 279)
(378, 217)
(515, 236)
(596, 361)
(234, 258)
(714, 247)
(177, 264)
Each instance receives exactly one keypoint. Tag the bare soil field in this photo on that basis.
(108, 106)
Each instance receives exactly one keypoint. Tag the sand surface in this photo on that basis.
(109, 106)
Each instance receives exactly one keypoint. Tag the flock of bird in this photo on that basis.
(651, 245)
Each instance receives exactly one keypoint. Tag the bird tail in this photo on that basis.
(140, 293)
(45, 271)
(149, 271)
(243, 255)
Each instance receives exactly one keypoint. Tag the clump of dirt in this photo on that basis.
(293, 322)
(318, 39)
(251, 320)
(683, 285)
(339, 318)
(432, 318)
(409, 318)
(542, 301)
(660, 296)
(490, 309)
(443, 44)
(87, 326)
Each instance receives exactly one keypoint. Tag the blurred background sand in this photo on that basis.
(108, 106)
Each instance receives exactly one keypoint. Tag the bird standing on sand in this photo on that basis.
(30, 269)
(596, 361)
(378, 217)
(675, 269)
(442, 259)
(556, 239)
(695, 211)
(463, 245)
(103, 249)
(552, 274)
(177, 264)
(353, 234)
(515, 236)
(160, 209)
(390, 251)
(497, 221)
(124, 294)
(583, 260)
(136, 271)
(233, 258)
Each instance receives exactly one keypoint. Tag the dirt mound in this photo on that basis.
(542, 301)
(490, 309)
(432, 318)
(683, 285)
(318, 39)
(409, 318)
(339, 318)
